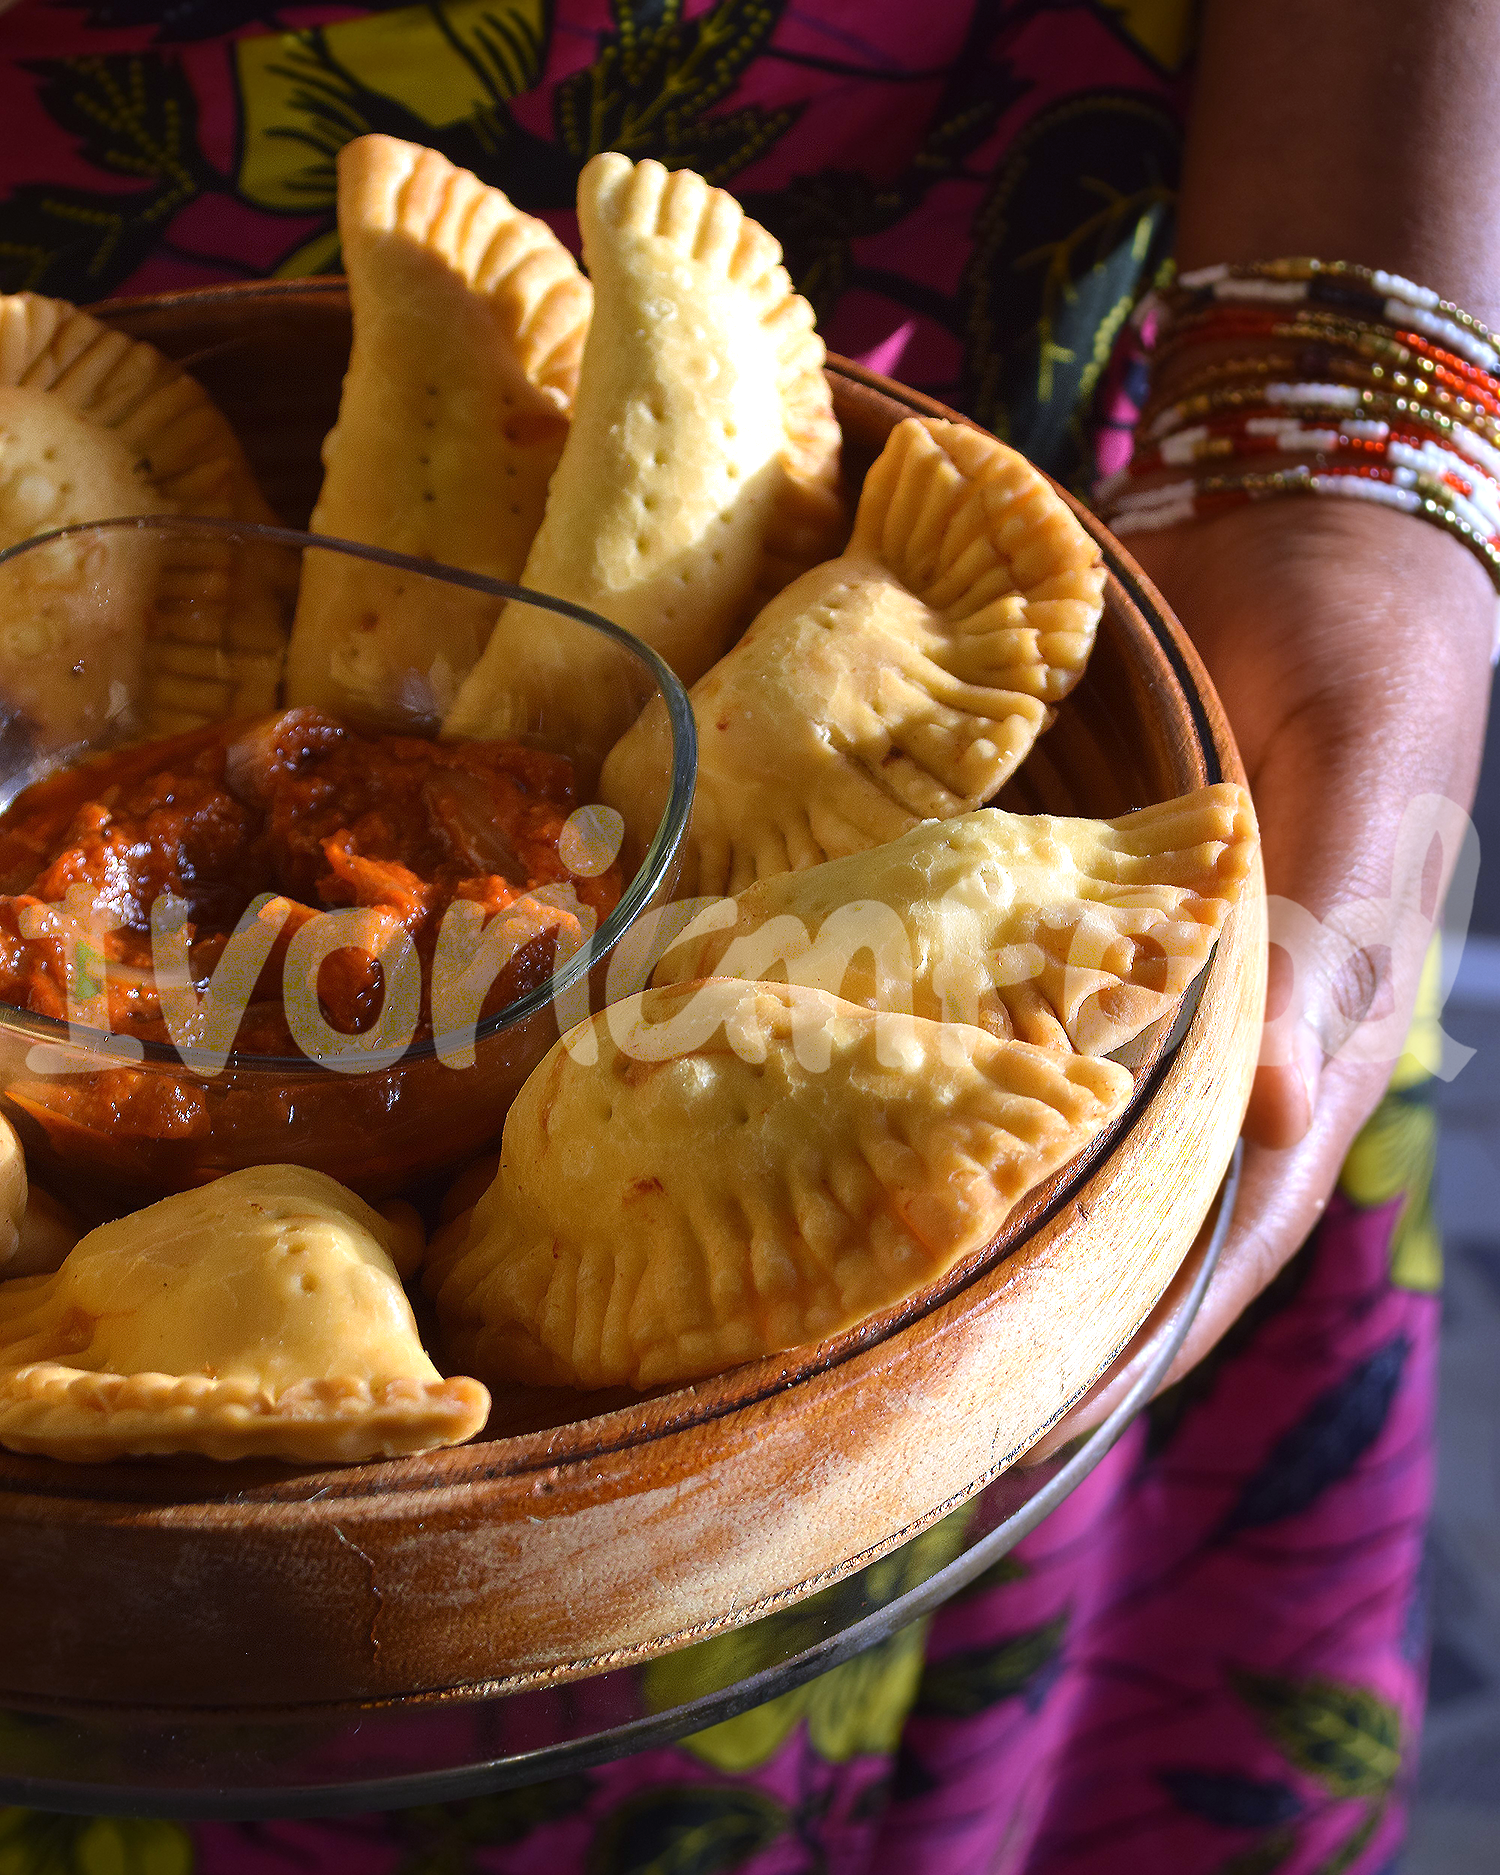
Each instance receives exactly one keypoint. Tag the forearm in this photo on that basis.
(1362, 130)
(1350, 642)
(1359, 130)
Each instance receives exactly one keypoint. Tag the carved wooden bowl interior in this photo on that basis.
(582, 1532)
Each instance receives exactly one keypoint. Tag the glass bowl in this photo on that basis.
(117, 632)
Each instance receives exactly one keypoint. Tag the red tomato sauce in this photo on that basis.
(296, 805)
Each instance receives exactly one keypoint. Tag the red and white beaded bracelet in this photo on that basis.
(1403, 409)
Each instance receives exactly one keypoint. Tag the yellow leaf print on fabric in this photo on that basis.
(1395, 1152)
(1163, 29)
(858, 1707)
(307, 94)
(133, 1846)
(33, 1842)
(1393, 1157)
(319, 255)
(1423, 1055)
(863, 1705)
(854, 1708)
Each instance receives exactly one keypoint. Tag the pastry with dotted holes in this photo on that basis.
(841, 1161)
(469, 318)
(701, 472)
(261, 1315)
(1068, 933)
(903, 681)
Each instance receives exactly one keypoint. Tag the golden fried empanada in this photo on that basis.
(903, 681)
(701, 471)
(259, 1316)
(48, 1232)
(72, 614)
(57, 468)
(211, 643)
(36, 1231)
(12, 1192)
(839, 1160)
(1066, 933)
(469, 318)
(187, 450)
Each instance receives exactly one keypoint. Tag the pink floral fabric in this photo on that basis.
(1210, 1659)
(973, 194)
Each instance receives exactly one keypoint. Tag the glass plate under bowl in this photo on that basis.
(116, 1121)
(582, 1540)
(112, 1760)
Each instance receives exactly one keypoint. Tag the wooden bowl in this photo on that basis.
(573, 1538)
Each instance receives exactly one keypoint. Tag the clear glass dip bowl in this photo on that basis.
(110, 1122)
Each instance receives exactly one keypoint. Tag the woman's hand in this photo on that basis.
(1351, 648)
(1349, 642)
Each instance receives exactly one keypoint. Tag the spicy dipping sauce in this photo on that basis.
(295, 805)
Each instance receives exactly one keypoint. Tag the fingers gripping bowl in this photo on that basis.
(586, 1527)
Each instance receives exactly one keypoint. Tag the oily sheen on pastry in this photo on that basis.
(701, 470)
(839, 1161)
(163, 643)
(903, 681)
(260, 1316)
(469, 318)
(1066, 933)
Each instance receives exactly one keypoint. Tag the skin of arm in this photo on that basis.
(1350, 644)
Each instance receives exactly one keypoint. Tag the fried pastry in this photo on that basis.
(841, 1160)
(36, 1231)
(701, 471)
(72, 613)
(12, 1192)
(210, 643)
(187, 450)
(469, 319)
(1066, 933)
(259, 1316)
(48, 1232)
(903, 681)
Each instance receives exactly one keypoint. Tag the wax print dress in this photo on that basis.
(1210, 1660)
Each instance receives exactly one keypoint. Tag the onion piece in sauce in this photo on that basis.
(276, 745)
(462, 812)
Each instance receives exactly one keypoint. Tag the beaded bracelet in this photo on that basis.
(1396, 350)
(1198, 497)
(1305, 377)
(1384, 298)
(1472, 429)
(1378, 444)
(1312, 365)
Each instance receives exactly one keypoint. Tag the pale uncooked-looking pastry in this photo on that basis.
(701, 472)
(469, 319)
(212, 640)
(839, 1161)
(903, 681)
(36, 1231)
(1066, 933)
(259, 1316)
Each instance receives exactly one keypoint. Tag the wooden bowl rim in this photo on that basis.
(248, 1489)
